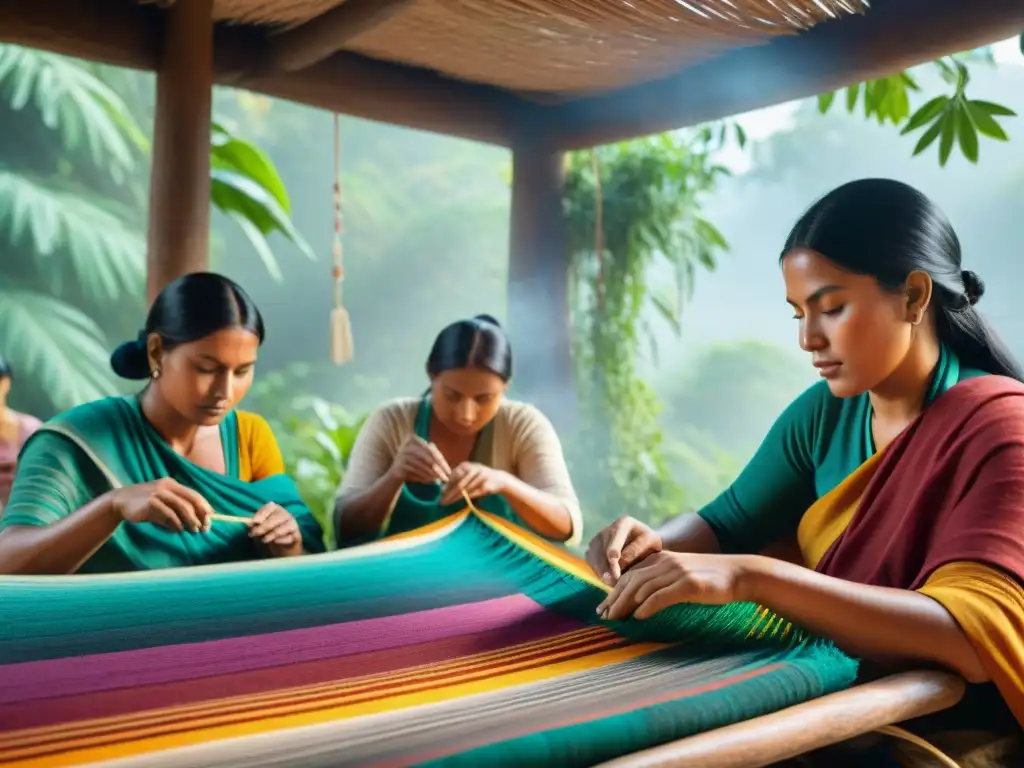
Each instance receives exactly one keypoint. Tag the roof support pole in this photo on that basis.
(538, 295)
(179, 186)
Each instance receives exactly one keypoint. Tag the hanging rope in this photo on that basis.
(342, 347)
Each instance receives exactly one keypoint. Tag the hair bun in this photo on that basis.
(487, 319)
(130, 360)
(974, 288)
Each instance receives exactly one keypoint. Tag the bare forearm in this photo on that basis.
(540, 510)
(362, 512)
(689, 533)
(60, 548)
(877, 623)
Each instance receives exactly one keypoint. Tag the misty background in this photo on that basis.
(427, 242)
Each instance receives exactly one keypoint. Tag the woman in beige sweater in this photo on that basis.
(415, 457)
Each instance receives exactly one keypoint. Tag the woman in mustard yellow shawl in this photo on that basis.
(900, 475)
(135, 483)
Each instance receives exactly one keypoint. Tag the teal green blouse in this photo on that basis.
(817, 442)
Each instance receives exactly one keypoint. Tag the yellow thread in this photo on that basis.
(899, 733)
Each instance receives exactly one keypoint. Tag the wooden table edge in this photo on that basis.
(805, 727)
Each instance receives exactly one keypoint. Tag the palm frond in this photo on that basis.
(56, 345)
(75, 103)
(60, 222)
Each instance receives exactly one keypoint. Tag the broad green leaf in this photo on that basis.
(235, 192)
(240, 156)
(985, 123)
(967, 135)
(74, 103)
(851, 96)
(993, 109)
(925, 114)
(69, 228)
(825, 101)
(948, 121)
(741, 136)
(929, 136)
(55, 344)
(259, 244)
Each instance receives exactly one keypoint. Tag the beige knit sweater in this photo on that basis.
(525, 445)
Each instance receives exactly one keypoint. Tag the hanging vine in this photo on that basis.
(633, 212)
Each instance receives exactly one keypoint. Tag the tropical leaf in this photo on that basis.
(74, 103)
(234, 154)
(67, 227)
(55, 344)
(235, 193)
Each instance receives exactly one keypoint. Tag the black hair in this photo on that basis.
(475, 343)
(887, 229)
(6, 372)
(188, 309)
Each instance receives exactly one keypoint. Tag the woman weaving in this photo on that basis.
(901, 474)
(416, 459)
(173, 476)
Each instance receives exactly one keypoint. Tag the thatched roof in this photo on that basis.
(556, 46)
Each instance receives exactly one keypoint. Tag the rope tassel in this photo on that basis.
(342, 345)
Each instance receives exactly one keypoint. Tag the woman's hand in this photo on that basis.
(275, 528)
(475, 480)
(667, 578)
(418, 461)
(164, 502)
(623, 543)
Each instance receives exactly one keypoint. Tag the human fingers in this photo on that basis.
(644, 543)
(274, 515)
(201, 507)
(616, 537)
(658, 600)
(459, 482)
(619, 602)
(444, 470)
(163, 515)
(286, 530)
(182, 507)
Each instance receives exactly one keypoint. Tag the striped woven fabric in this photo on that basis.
(469, 642)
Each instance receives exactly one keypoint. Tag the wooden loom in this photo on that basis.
(539, 78)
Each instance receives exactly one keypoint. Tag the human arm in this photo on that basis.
(540, 490)
(386, 454)
(55, 520)
(758, 508)
(889, 626)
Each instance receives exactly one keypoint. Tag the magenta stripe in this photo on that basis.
(164, 664)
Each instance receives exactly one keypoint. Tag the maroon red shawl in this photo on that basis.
(950, 487)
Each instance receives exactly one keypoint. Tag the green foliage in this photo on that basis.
(948, 119)
(632, 208)
(247, 188)
(316, 438)
(71, 218)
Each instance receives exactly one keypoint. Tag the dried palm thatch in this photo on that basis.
(565, 46)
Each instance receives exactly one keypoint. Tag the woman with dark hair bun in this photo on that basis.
(899, 478)
(143, 482)
(416, 457)
(15, 429)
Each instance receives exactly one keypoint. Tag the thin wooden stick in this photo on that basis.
(230, 519)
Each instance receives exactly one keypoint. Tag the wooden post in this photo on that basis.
(538, 298)
(179, 186)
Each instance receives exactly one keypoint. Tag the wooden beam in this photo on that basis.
(797, 730)
(414, 98)
(892, 36)
(179, 185)
(306, 44)
(538, 290)
(119, 32)
(126, 34)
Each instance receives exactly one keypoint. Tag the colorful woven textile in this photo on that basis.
(468, 642)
